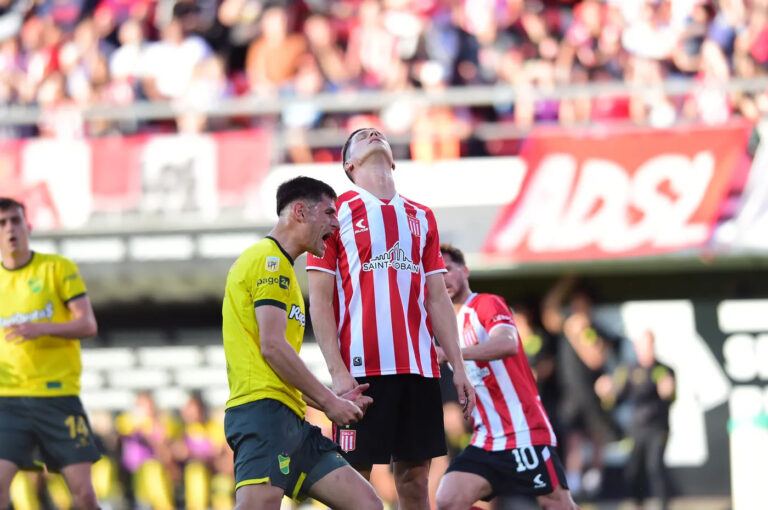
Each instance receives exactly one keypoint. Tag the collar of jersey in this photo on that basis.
(290, 259)
(471, 297)
(31, 257)
(367, 194)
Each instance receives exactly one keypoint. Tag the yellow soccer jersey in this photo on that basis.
(263, 275)
(39, 291)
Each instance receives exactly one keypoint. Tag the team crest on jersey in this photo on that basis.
(35, 285)
(414, 225)
(273, 264)
(347, 439)
(468, 334)
(395, 258)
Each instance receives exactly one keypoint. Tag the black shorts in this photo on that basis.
(405, 422)
(272, 444)
(528, 470)
(56, 428)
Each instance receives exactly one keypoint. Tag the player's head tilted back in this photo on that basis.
(457, 273)
(14, 229)
(363, 146)
(308, 205)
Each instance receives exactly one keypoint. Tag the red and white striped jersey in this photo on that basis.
(381, 256)
(508, 413)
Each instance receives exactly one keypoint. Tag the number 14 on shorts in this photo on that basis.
(77, 427)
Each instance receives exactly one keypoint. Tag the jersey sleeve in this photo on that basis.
(432, 258)
(492, 311)
(270, 287)
(69, 282)
(329, 260)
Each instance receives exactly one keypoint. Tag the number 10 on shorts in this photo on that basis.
(526, 458)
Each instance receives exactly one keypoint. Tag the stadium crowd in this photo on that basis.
(62, 55)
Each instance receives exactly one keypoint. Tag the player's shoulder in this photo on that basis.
(484, 299)
(347, 196)
(492, 303)
(43, 259)
(264, 256)
(416, 205)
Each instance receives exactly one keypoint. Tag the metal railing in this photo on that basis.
(366, 100)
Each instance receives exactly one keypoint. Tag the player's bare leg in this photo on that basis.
(78, 477)
(459, 490)
(412, 482)
(345, 489)
(262, 495)
(7, 471)
(559, 499)
(364, 470)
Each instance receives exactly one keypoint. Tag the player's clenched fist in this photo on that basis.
(356, 395)
(343, 412)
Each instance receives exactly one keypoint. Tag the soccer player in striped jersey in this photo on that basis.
(512, 451)
(44, 311)
(376, 296)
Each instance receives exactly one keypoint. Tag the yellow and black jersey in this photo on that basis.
(36, 292)
(263, 275)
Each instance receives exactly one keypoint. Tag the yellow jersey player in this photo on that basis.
(276, 451)
(44, 311)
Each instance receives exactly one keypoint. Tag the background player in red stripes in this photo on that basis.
(375, 297)
(512, 451)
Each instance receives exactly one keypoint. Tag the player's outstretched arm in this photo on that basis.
(321, 287)
(443, 319)
(82, 325)
(288, 365)
(501, 344)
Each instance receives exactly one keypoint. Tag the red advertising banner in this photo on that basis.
(615, 194)
(196, 176)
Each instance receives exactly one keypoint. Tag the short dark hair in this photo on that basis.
(302, 188)
(455, 254)
(7, 203)
(345, 148)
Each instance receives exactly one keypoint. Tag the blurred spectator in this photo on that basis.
(437, 130)
(651, 35)
(12, 13)
(146, 435)
(195, 451)
(273, 59)
(541, 350)
(125, 62)
(303, 113)
(328, 55)
(583, 354)
(649, 387)
(169, 64)
(709, 101)
(207, 85)
(372, 49)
